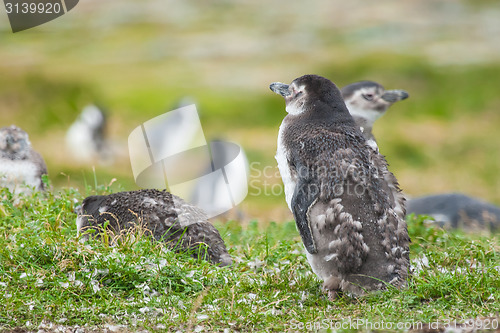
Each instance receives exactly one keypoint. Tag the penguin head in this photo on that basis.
(369, 100)
(295, 95)
(92, 117)
(14, 143)
(311, 92)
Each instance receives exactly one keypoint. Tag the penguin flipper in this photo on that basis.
(305, 195)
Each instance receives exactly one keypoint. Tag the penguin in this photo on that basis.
(21, 167)
(177, 130)
(86, 137)
(457, 211)
(212, 193)
(166, 218)
(367, 101)
(347, 205)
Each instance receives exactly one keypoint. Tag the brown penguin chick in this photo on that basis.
(21, 168)
(367, 101)
(167, 217)
(348, 207)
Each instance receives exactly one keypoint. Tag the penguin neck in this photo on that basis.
(364, 125)
(330, 114)
(322, 112)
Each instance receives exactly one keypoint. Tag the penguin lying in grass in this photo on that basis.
(164, 216)
(458, 211)
(348, 207)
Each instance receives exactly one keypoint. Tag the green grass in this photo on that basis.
(47, 275)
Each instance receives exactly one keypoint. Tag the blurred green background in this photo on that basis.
(138, 58)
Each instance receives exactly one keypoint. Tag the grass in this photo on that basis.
(47, 275)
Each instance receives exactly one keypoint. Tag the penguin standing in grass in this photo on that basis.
(86, 137)
(164, 216)
(367, 101)
(348, 207)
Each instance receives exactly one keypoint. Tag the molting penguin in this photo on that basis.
(367, 101)
(165, 216)
(348, 207)
(21, 168)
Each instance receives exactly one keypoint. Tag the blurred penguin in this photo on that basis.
(86, 137)
(219, 193)
(21, 168)
(219, 174)
(457, 211)
(174, 132)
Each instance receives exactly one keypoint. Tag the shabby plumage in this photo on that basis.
(348, 207)
(164, 216)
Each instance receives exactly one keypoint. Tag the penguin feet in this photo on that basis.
(333, 295)
(331, 286)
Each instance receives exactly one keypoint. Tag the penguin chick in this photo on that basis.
(165, 216)
(348, 207)
(367, 101)
(21, 168)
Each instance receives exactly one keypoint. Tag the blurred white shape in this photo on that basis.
(85, 138)
(213, 196)
(174, 132)
(140, 158)
(238, 172)
(227, 183)
(170, 151)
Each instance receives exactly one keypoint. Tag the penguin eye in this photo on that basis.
(298, 93)
(368, 97)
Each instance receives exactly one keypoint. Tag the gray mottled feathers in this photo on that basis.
(350, 202)
(456, 210)
(358, 215)
(169, 218)
(21, 168)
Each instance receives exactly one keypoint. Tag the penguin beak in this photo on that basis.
(280, 88)
(392, 96)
